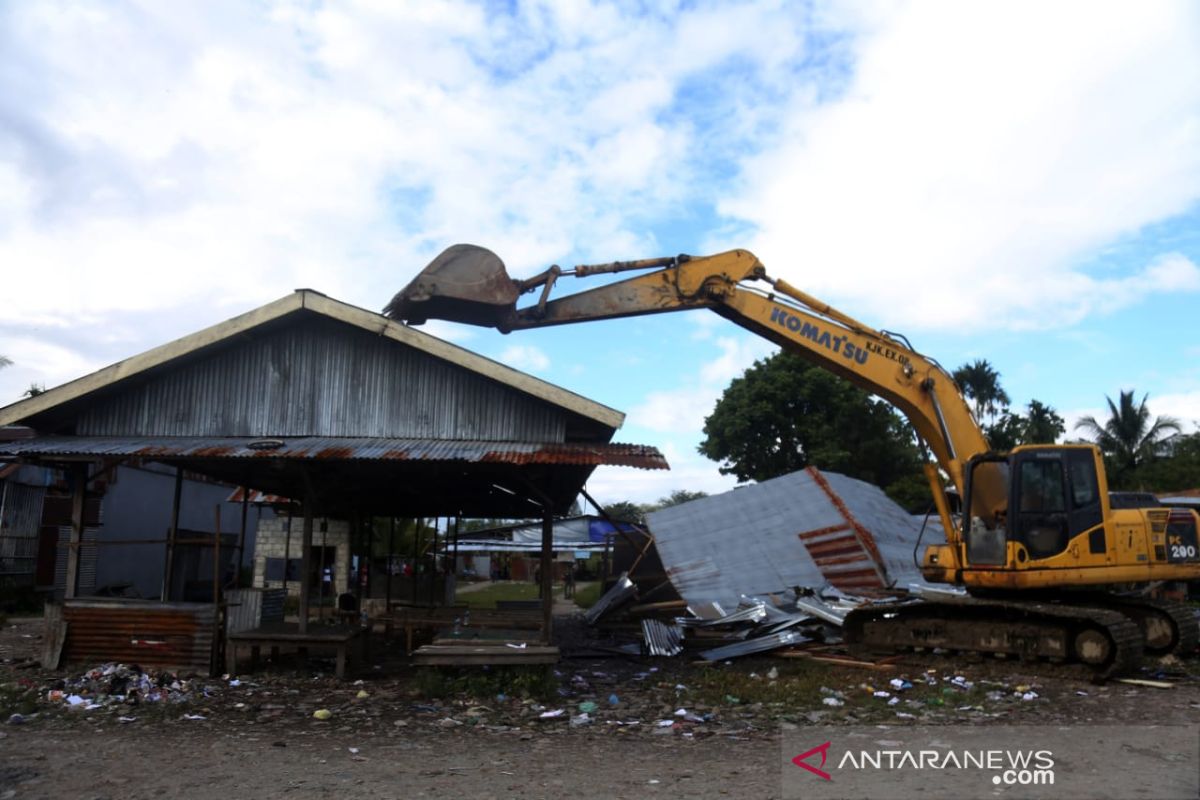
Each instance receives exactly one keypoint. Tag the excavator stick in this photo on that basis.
(465, 283)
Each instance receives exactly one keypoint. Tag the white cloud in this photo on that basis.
(525, 357)
(688, 471)
(981, 153)
(683, 410)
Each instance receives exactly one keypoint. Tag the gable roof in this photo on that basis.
(317, 303)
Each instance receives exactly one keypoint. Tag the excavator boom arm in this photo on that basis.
(868, 358)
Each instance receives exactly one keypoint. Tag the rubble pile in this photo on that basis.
(127, 684)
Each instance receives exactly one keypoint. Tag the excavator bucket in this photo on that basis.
(465, 283)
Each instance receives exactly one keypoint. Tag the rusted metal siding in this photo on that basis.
(20, 520)
(175, 636)
(319, 377)
(346, 449)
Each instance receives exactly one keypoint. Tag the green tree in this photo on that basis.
(677, 497)
(626, 511)
(784, 414)
(1177, 469)
(34, 390)
(1129, 438)
(980, 382)
(1043, 425)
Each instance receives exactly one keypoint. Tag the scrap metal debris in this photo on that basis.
(621, 593)
(662, 639)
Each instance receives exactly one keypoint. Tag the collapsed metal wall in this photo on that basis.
(762, 538)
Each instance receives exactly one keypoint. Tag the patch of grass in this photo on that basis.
(503, 590)
(586, 594)
(798, 684)
(17, 699)
(483, 684)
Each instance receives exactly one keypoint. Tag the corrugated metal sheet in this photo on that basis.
(324, 378)
(662, 639)
(87, 561)
(345, 449)
(250, 608)
(621, 593)
(747, 541)
(20, 520)
(176, 636)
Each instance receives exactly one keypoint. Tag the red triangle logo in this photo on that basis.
(823, 749)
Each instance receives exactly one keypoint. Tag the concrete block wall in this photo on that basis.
(272, 543)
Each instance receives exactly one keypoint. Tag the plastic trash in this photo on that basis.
(322, 714)
(362, 694)
(558, 712)
(501, 698)
(833, 701)
(581, 719)
(900, 684)
(587, 707)
(613, 700)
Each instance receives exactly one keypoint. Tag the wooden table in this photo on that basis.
(345, 640)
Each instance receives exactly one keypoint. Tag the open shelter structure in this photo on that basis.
(336, 406)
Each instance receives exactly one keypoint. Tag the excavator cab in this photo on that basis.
(1053, 497)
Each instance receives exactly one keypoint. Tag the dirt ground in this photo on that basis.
(394, 732)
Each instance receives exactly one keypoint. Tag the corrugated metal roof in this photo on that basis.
(333, 448)
(749, 541)
(302, 301)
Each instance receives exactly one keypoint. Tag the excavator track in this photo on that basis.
(1105, 639)
(1167, 626)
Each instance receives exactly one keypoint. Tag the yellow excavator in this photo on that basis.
(1051, 569)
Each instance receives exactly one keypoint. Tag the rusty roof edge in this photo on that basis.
(134, 365)
(439, 348)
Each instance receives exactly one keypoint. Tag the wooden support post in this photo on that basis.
(324, 566)
(241, 548)
(391, 553)
(433, 573)
(217, 556)
(287, 552)
(172, 532)
(306, 539)
(416, 554)
(547, 576)
(78, 497)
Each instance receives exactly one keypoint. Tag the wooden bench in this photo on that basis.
(414, 619)
(346, 641)
(459, 655)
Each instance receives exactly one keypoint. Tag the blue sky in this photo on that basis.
(1012, 181)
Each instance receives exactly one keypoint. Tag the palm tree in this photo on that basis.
(1129, 438)
(5, 361)
(980, 382)
(1043, 425)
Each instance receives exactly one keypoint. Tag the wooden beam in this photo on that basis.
(172, 532)
(546, 568)
(78, 495)
(305, 560)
